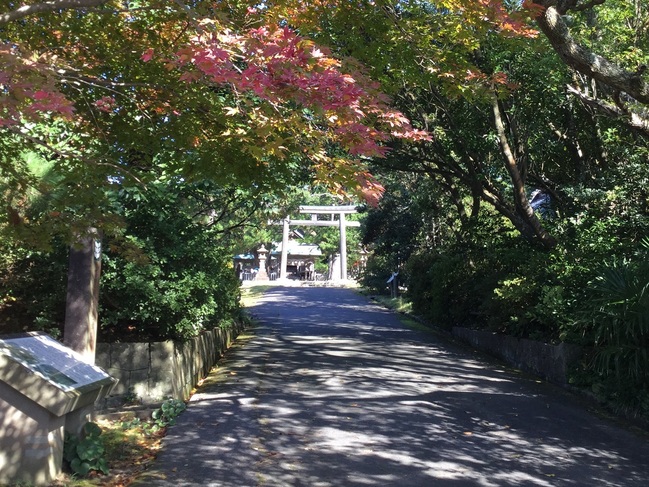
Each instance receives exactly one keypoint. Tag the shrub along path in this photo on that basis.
(331, 390)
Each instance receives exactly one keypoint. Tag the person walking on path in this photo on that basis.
(331, 390)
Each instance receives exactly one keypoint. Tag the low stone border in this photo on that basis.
(150, 373)
(551, 362)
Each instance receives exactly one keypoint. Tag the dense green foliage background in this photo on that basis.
(167, 275)
(449, 221)
(481, 272)
(508, 117)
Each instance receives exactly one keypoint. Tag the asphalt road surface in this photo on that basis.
(331, 390)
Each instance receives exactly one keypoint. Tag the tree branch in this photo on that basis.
(586, 61)
(632, 119)
(47, 6)
(65, 76)
(66, 155)
(588, 5)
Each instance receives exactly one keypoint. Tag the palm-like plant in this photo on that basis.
(621, 319)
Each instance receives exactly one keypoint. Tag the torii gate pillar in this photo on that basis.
(284, 258)
(343, 247)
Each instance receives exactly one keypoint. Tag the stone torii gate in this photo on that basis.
(314, 211)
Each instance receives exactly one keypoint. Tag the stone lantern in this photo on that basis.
(262, 253)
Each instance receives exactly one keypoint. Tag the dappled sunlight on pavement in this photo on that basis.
(333, 391)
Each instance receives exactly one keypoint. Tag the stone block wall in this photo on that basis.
(156, 371)
(552, 362)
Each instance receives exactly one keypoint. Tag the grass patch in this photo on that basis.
(415, 325)
(398, 304)
(250, 295)
(404, 307)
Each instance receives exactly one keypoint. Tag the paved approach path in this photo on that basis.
(331, 390)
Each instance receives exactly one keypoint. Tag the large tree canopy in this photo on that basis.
(111, 92)
(450, 60)
(114, 92)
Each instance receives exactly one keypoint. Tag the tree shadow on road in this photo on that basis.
(334, 391)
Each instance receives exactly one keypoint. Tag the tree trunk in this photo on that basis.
(524, 211)
(81, 311)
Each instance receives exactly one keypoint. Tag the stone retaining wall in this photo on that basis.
(552, 362)
(156, 371)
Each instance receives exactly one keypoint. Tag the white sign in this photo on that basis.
(54, 362)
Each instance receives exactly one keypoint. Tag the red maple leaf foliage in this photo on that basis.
(289, 72)
(271, 65)
(371, 189)
(281, 68)
(28, 89)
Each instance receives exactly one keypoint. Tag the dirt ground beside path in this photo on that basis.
(332, 390)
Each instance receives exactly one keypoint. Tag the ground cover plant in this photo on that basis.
(113, 451)
(127, 453)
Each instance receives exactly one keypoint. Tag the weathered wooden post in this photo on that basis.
(81, 310)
